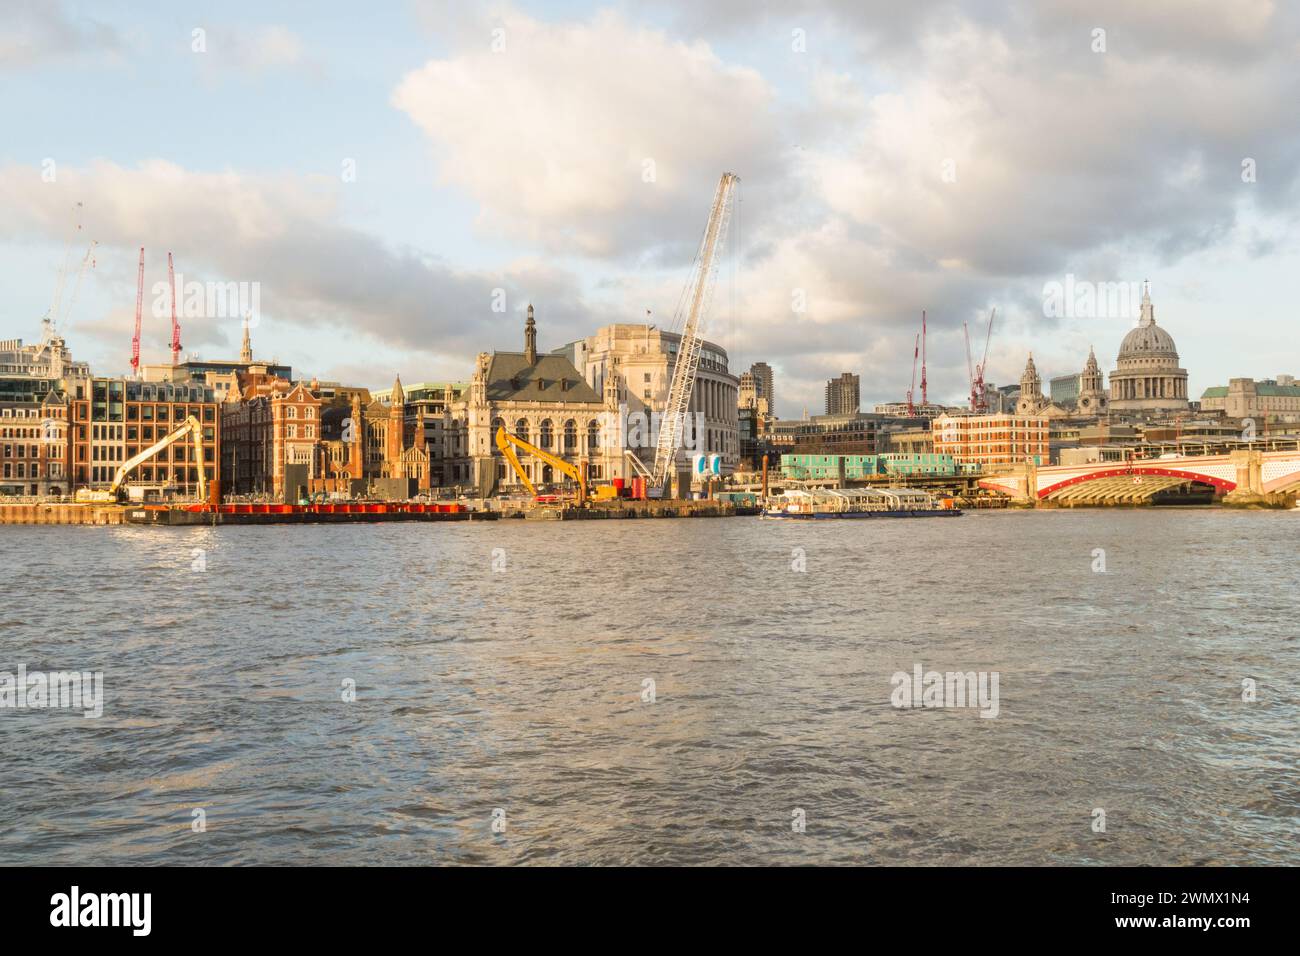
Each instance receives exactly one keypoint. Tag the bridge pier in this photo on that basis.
(1249, 466)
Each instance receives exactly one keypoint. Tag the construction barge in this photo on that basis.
(321, 513)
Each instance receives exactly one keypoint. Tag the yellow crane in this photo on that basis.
(191, 426)
(505, 441)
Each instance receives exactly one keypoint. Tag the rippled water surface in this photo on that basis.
(225, 654)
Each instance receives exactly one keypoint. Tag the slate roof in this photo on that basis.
(511, 379)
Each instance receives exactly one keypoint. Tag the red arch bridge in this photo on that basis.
(1240, 474)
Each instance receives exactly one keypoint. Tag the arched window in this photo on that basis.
(570, 437)
(521, 429)
(545, 436)
(593, 436)
(496, 423)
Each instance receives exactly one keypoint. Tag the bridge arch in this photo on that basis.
(1127, 482)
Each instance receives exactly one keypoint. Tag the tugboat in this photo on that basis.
(811, 504)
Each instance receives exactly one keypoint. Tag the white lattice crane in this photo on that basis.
(979, 401)
(700, 289)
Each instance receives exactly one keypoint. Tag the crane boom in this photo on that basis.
(916, 354)
(88, 261)
(925, 395)
(688, 351)
(176, 327)
(191, 427)
(62, 279)
(505, 440)
(979, 401)
(139, 304)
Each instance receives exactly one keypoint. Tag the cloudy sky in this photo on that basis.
(382, 170)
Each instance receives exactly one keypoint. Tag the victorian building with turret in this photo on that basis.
(542, 398)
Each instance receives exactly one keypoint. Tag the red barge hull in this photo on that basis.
(340, 513)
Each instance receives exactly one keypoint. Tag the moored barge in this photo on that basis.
(812, 504)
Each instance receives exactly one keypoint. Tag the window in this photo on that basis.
(593, 436)
(546, 434)
(570, 436)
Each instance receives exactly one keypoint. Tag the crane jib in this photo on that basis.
(688, 351)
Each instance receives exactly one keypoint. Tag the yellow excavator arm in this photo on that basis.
(505, 440)
(191, 426)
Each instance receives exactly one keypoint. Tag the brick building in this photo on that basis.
(284, 440)
(34, 445)
(992, 439)
(271, 437)
(120, 417)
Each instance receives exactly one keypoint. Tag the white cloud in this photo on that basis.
(39, 30)
(285, 233)
(553, 134)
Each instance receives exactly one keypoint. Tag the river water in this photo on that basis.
(672, 691)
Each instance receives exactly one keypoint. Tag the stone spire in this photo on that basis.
(1030, 383)
(1148, 310)
(246, 352)
(530, 338)
(396, 432)
(1092, 389)
(1031, 390)
(354, 432)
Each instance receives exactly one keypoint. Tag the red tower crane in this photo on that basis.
(139, 302)
(176, 327)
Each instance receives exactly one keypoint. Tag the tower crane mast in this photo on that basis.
(139, 304)
(700, 286)
(176, 327)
